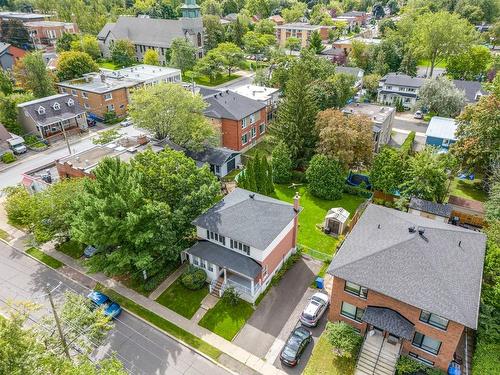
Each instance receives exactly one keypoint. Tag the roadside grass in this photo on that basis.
(4, 235)
(468, 189)
(72, 248)
(324, 362)
(161, 323)
(44, 258)
(313, 213)
(205, 80)
(227, 320)
(182, 300)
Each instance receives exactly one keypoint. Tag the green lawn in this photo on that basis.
(427, 62)
(264, 147)
(231, 176)
(111, 65)
(162, 323)
(205, 81)
(314, 211)
(181, 299)
(72, 248)
(226, 320)
(44, 258)
(323, 362)
(468, 189)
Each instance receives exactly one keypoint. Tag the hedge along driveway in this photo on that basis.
(182, 300)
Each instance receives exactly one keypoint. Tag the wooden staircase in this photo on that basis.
(217, 287)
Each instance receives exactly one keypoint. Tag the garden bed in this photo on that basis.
(182, 300)
(227, 320)
(324, 362)
(313, 213)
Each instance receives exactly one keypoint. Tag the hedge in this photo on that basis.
(357, 191)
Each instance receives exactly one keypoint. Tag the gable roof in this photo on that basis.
(435, 208)
(470, 89)
(254, 221)
(399, 79)
(442, 127)
(153, 32)
(439, 271)
(51, 115)
(353, 71)
(212, 155)
(230, 105)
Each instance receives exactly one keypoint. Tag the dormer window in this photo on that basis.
(41, 110)
(71, 102)
(56, 106)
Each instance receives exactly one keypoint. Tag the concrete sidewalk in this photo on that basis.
(227, 347)
(168, 281)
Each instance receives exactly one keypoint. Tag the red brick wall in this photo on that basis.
(278, 253)
(67, 171)
(449, 338)
(232, 132)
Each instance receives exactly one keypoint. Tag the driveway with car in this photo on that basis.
(268, 320)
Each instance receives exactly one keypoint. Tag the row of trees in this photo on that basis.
(257, 176)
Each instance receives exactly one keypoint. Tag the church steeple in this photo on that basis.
(190, 9)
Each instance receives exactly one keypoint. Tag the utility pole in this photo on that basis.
(58, 324)
(65, 137)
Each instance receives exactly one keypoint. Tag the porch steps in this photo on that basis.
(216, 288)
(374, 360)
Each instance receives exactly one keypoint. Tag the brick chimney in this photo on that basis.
(296, 201)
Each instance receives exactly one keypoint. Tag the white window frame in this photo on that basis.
(84, 95)
(244, 123)
(56, 106)
(41, 110)
(108, 96)
(254, 132)
(262, 128)
(71, 102)
(73, 92)
(246, 137)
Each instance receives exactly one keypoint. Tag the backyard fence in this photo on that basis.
(316, 254)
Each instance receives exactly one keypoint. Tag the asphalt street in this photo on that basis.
(12, 175)
(141, 348)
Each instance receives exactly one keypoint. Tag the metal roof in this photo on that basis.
(442, 127)
(439, 270)
(435, 208)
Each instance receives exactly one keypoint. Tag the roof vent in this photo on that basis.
(378, 226)
(252, 196)
(411, 229)
(421, 231)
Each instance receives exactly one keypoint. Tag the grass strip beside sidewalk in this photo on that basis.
(161, 323)
(44, 258)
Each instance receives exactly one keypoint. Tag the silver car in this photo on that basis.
(127, 122)
(315, 309)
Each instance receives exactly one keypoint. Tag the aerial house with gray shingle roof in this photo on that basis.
(243, 241)
(412, 281)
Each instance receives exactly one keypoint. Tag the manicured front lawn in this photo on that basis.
(72, 248)
(44, 258)
(468, 189)
(314, 211)
(226, 320)
(161, 323)
(205, 81)
(181, 299)
(323, 362)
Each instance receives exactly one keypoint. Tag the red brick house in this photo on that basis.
(243, 241)
(411, 285)
(240, 120)
(46, 33)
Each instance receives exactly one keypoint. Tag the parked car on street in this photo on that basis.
(314, 310)
(418, 115)
(16, 144)
(295, 345)
(127, 122)
(100, 300)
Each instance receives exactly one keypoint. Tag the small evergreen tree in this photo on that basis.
(260, 173)
(267, 168)
(250, 176)
(326, 178)
(281, 163)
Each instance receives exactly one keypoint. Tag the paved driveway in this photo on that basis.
(268, 321)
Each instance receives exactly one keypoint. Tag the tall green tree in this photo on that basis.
(294, 122)
(87, 44)
(15, 32)
(295, 12)
(268, 185)
(261, 8)
(441, 97)
(182, 54)
(214, 31)
(326, 178)
(9, 111)
(123, 52)
(211, 7)
(74, 64)
(64, 42)
(471, 64)
(169, 110)
(335, 91)
(32, 75)
(440, 35)
(235, 32)
(316, 43)
(210, 65)
(6, 84)
(281, 163)
(386, 171)
(232, 56)
(151, 57)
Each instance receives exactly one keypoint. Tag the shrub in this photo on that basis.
(110, 117)
(299, 177)
(325, 176)
(231, 296)
(193, 278)
(8, 157)
(407, 365)
(355, 190)
(344, 339)
(407, 146)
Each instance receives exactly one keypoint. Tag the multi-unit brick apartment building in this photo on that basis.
(243, 241)
(410, 280)
(300, 30)
(45, 33)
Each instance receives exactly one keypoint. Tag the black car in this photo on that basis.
(91, 123)
(295, 345)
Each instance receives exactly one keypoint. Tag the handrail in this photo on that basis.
(378, 356)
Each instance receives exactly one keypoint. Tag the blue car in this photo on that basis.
(111, 309)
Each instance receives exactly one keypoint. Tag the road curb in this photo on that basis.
(130, 312)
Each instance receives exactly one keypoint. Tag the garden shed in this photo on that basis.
(336, 220)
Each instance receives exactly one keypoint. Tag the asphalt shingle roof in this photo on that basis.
(470, 89)
(389, 320)
(225, 257)
(399, 79)
(230, 105)
(439, 271)
(430, 207)
(212, 155)
(253, 221)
